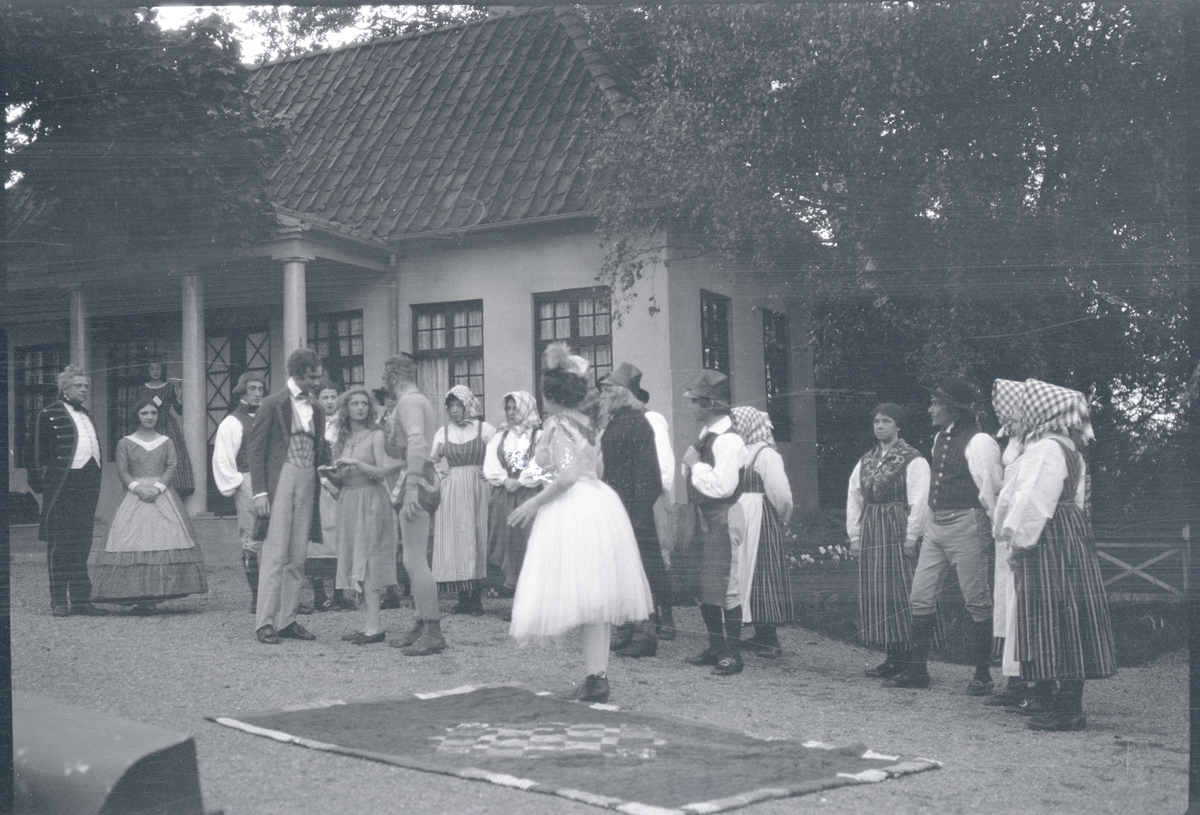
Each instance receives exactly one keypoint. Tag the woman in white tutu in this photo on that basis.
(582, 566)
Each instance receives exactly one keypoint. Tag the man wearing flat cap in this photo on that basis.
(631, 469)
(966, 479)
(712, 467)
(231, 469)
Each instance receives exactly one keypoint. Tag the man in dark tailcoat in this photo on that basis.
(631, 469)
(287, 444)
(66, 473)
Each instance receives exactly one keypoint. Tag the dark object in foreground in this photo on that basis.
(72, 761)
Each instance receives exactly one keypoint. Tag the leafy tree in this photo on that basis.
(989, 190)
(296, 30)
(125, 141)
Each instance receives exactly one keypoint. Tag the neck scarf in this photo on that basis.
(877, 469)
(527, 413)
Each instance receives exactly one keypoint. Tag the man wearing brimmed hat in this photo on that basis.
(966, 478)
(713, 467)
(663, 515)
(631, 469)
(231, 469)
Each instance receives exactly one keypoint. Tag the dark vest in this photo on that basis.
(243, 415)
(952, 486)
(705, 449)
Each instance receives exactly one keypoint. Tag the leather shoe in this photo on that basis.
(884, 670)
(88, 610)
(728, 666)
(60, 611)
(267, 635)
(304, 608)
(706, 657)
(353, 635)
(295, 631)
(368, 639)
(978, 687)
(594, 689)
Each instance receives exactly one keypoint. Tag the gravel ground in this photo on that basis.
(199, 657)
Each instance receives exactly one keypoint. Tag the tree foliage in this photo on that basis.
(293, 30)
(129, 141)
(991, 190)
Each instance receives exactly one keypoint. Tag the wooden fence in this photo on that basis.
(1139, 570)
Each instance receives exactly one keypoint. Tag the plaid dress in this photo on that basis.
(885, 575)
(1063, 626)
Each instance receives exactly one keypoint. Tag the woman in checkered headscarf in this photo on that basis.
(766, 501)
(509, 467)
(1006, 402)
(1064, 632)
(460, 526)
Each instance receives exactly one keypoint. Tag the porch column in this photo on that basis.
(79, 338)
(295, 306)
(195, 418)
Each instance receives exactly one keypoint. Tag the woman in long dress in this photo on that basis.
(460, 526)
(766, 501)
(582, 566)
(509, 467)
(158, 389)
(1064, 632)
(886, 506)
(151, 553)
(366, 526)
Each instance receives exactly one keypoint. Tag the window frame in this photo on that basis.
(583, 344)
(715, 341)
(351, 362)
(451, 350)
(45, 392)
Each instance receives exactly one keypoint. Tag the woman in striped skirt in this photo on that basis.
(1064, 632)
(460, 526)
(886, 505)
(766, 500)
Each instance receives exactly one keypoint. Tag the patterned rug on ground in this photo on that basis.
(595, 754)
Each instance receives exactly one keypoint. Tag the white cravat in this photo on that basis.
(301, 407)
(88, 446)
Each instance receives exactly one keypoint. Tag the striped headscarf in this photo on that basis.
(527, 412)
(463, 394)
(752, 424)
(1049, 408)
(1006, 401)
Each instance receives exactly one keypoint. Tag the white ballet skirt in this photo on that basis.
(582, 564)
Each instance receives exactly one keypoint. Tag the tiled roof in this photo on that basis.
(477, 124)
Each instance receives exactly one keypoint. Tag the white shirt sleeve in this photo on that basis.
(493, 470)
(721, 479)
(983, 462)
(1031, 493)
(916, 479)
(439, 441)
(662, 445)
(854, 505)
(224, 461)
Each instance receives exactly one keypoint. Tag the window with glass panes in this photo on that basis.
(777, 345)
(338, 340)
(714, 331)
(36, 369)
(448, 347)
(582, 318)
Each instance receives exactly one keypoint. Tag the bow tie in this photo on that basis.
(77, 406)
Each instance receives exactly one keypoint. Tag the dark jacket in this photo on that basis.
(631, 466)
(54, 440)
(269, 437)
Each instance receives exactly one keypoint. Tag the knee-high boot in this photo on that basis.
(716, 636)
(916, 669)
(731, 661)
(250, 566)
(1066, 709)
(981, 656)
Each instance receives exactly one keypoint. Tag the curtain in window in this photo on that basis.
(433, 380)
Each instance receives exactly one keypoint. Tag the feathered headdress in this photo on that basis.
(558, 356)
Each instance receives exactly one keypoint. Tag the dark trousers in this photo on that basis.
(69, 536)
(644, 529)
